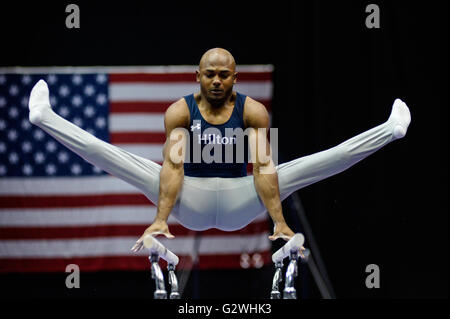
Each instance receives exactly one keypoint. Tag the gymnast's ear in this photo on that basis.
(197, 75)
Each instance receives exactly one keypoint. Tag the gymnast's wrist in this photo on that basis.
(160, 220)
(279, 222)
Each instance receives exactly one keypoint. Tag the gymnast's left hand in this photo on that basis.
(282, 230)
(157, 228)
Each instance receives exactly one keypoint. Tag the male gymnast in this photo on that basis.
(203, 195)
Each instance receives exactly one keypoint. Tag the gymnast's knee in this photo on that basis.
(93, 147)
(342, 154)
(91, 151)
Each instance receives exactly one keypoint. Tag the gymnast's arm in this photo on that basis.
(264, 172)
(171, 177)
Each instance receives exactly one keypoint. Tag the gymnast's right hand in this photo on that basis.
(158, 227)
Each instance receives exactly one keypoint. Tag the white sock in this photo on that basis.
(39, 100)
(400, 118)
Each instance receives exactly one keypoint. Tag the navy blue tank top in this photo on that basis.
(212, 150)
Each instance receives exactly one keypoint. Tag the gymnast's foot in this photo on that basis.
(400, 118)
(39, 101)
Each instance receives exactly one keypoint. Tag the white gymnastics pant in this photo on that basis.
(213, 202)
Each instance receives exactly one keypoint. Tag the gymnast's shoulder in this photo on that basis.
(255, 114)
(177, 114)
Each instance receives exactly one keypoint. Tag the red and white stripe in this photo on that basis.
(48, 223)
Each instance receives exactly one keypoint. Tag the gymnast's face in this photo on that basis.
(217, 75)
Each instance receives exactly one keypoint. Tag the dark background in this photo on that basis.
(333, 79)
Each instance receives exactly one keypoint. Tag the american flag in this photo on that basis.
(56, 209)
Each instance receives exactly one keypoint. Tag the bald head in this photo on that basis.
(217, 57)
(217, 75)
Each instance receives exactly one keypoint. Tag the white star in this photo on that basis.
(90, 131)
(75, 169)
(2, 147)
(78, 122)
(63, 157)
(89, 90)
(13, 90)
(51, 79)
(27, 169)
(64, 90)
(2, 101)
(77, 100)
(101, 99)
(26, 79)
(2, 79)
(96, 170)
(64, 111)
(53, 100)
(2, 170)
(50, 146)
(50, 169)
(13, 158)
(26, 147)
(100, 122)
(24, 101)
(12, 135)
(89, 111)
(2, 125)
(38, 134)
(13, 112)
(101, 78)
(77, 79)
(26, 124)
(39, 157)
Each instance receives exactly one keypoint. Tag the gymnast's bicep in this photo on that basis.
(176, 122)
(257, 120)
